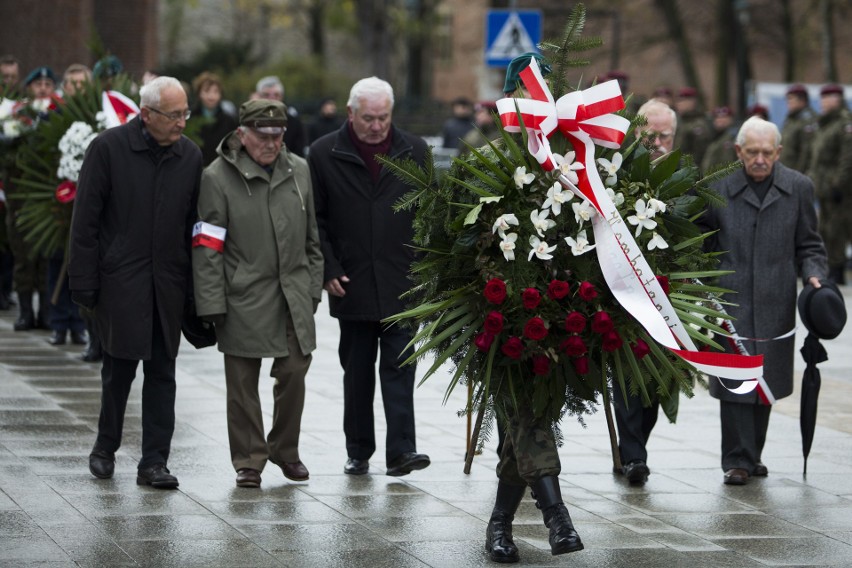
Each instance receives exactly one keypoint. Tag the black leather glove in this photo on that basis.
(86, 299)
(215, 319)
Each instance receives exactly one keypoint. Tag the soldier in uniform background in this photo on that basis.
(721, 151)
(694, 132)
(830, 168)
(799, 129)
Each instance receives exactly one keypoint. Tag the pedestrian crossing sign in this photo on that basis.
(510, 33)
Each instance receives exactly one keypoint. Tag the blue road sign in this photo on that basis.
(510, 33)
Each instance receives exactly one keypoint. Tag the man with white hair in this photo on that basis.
(367, 250)
(768, 232)
(295, 136)
(130, 267)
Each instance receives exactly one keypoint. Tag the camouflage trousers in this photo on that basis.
(29, 273)
(835, 227)
(529, 451)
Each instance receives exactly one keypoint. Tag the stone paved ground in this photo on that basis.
(54, 513)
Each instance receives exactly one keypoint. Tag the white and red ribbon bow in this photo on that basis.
(585, 118)
(117, 108)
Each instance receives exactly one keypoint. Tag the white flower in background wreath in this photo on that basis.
(580, 245)
(72, 146)
(611, 167)
(522, 178)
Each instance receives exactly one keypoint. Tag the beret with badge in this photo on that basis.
(40, 73)
(264, 115)
(822, 310)
(520, 63)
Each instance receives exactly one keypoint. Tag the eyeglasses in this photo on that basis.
(173, 116)
(652, 135)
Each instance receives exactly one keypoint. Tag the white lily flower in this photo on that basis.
(583, 211)
(540, 249)
(568, 166)
(579, 245)
(556, 196)
(540, 221)
(657, 242)
(522, 178)
(507, 245)
(611, 167)
(656, 205)
(502, 223)
(617, 198)
(642, 219)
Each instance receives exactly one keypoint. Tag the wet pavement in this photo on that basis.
(53, 513)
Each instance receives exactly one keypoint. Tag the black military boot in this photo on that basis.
(93, 352)
(26, 317)
(498, 537)
(548, 496)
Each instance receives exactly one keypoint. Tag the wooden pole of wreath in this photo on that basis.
(613, 439)
(60, 282)
(469, 409)
(472, 439)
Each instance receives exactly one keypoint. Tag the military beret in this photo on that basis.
(264, 114)
(822, 310)
(486, 105)
(108, 66)
(662, 92)
(520, 63)
(722, 111)
(760, 110)
(797, 89)
(618, 75)
(687, 93)
(831, 89)
(39, 73)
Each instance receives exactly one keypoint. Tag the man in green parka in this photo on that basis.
(258, 273)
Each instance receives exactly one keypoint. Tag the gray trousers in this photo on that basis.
(743, 434)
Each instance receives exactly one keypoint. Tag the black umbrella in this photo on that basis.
(813, 353)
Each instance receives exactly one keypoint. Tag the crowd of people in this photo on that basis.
(246, 231)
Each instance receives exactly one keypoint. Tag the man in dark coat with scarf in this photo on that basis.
(768, 232)
(367, 251)
(130, 265)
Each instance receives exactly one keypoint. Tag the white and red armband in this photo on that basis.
(210, 236)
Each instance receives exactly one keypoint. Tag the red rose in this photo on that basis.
(640, 348)
(531, 298)
(611, 341)
(513, 348)
(573, 346)
(535, 329)
(581, 365)
(66, 192)
(557, 289)
(602, 323)
(540, 364)
(483, 340)
(664, 283)
(495, 291)
(587, 291)
(494, 322)
(575, 322)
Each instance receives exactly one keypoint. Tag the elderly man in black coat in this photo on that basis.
(367, 251)
(768, 232)
(130, 265)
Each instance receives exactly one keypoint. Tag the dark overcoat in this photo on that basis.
(768, 244)
(361, 235)
(130, 237)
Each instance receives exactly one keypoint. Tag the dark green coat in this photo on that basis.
(271, 265)
(797, 137)
(831, 158)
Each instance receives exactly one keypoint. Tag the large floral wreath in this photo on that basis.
(509, 288)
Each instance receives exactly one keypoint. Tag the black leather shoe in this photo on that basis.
(356, 467)
(57, 338)
(406, 463)
(760, 470)
(247, 477)
(102, 463)
(78, 338)
(637, 472)
(156, 476)
(498, 540)
(736, 476)
(25, 322)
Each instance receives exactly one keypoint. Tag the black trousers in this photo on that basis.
(743, 434)
(634, 423)
(158, 401)
(360, 342)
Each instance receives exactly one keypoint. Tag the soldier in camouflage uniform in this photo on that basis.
(830, 168)
(528, 456)
(694, 132)
(721, 151)
(799, 129)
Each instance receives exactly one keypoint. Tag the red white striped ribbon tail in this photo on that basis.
(764, 393)
(209, 236)
(117, 108)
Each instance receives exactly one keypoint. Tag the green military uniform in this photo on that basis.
(721, 151)
(830, 168)
(797, 137)
(529, 451)
(694, 134)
